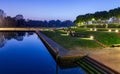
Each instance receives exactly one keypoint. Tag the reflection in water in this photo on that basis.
(24, 53)
(19, 36)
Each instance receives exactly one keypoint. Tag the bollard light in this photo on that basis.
(92, 37)
(95, 29)
(91, 29)
(116, 30)
(109, 30)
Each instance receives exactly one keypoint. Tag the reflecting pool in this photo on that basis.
(24, 53)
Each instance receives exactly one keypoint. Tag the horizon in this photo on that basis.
(55, 10)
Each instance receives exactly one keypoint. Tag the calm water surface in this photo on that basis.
(24, 53)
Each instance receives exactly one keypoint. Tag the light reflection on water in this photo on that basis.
(24, 53)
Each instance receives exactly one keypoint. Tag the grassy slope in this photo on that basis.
(107, 38)
(70, 42)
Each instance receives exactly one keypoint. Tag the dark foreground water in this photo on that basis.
(24, 53)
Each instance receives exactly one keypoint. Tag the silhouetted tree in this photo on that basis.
(9, 22)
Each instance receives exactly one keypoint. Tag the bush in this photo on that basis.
(101, 26)
(113, 25)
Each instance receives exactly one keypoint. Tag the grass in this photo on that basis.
(107, 38)
(102, 35)
(70, 42)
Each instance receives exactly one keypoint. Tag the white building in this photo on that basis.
(114, 20)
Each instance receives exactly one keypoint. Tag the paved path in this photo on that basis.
(110, 57)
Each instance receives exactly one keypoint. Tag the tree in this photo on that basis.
(9, 22)
(21, 23)
(99, 17)
(67, 23)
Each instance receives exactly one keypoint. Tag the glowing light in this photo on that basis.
(109, 30)
(116, 30)
(95, 29)
(92, 37)
(93, 19)
(64, 34)
(91, 29)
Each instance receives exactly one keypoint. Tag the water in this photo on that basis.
(24, 53)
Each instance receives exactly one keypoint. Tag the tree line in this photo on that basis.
(98, 16)
(19, 21)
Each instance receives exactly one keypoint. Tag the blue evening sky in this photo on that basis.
(55, 9)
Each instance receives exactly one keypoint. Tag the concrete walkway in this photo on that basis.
(110, 57)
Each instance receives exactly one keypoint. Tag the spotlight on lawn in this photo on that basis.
(91, 29)
(92, 37)
(68, 33)
(109, 30)
(95, 29)
(116, 30)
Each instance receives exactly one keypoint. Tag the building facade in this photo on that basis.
(115, 20)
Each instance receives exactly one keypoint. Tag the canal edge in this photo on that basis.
(54, 53)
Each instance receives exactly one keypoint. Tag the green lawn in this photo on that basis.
(71, 42)
(107, 38)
